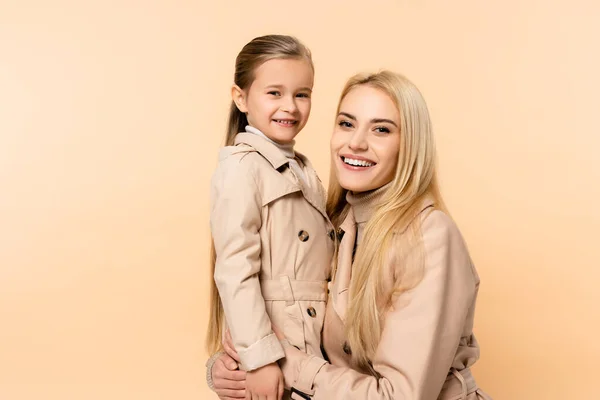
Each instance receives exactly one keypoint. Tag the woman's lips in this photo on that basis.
(356, 163)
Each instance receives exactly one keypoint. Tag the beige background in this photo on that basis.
(111, 114)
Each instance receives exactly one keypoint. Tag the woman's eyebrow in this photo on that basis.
(383, 120)
(373, 121)
(345, 114)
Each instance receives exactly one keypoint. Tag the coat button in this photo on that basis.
(311, 312)
(346, 348)
(303, 236)
(331, 234)
(340, 234)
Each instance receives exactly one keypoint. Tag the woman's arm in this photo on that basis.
(224, 379)
(421, 331)
(235, 223)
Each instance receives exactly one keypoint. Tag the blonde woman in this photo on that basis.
(399, 320)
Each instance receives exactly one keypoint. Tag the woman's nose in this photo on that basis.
(358, 140)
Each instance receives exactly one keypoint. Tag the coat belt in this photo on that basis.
(291, 290)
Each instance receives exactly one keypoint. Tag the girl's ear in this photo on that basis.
(239, 98)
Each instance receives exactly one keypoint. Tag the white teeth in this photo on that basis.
(358, 163)
(285, 122)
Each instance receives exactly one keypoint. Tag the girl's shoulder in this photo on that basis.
(235, 154)
(236, 167)
(240, 159)
(243, 165)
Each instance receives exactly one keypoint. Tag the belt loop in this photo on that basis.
(463, 384)
(286, 290)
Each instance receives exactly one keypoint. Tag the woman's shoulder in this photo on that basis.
(438, 228)
(436, 220)
(430, 227)
(443, 242)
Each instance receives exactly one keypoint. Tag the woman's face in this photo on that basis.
(366, 140)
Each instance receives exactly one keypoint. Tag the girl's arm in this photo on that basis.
(421, 331)
(235, 223)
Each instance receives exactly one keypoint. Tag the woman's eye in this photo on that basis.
(382, 129)
(345, 124)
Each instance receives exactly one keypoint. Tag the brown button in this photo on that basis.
(346, 348)
(303, 236)
(311, 312)
(331, 234)
(340, 234)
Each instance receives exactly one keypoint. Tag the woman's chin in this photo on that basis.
(356, 187)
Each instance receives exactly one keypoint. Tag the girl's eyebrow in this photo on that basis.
(276, 86)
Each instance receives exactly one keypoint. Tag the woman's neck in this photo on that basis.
(363, 206)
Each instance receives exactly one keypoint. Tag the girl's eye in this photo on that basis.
(382, 129)
(345, 124)
(274, 93)
(305, 95)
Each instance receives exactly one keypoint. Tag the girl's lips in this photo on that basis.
(286, 123)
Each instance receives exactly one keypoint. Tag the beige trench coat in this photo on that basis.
(427, 345)
(274, 245)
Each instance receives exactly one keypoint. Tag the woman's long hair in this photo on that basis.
(392, 235)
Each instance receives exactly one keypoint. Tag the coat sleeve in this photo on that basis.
(421, 330)
(235, 222)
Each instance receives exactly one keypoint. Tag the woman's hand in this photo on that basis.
(229, 383)
(266, 382)
(291, 364)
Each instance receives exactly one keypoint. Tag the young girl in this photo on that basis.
(272, 239)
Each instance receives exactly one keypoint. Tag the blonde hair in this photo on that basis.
(393, 233)
(258, 51)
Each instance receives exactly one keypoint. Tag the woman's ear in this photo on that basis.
(239, 98)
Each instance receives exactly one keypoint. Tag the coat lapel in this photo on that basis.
(314, 193)
(341, 292)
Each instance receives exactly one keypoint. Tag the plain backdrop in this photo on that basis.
(111, 116)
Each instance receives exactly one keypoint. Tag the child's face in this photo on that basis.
(278, 101)
(366, 140)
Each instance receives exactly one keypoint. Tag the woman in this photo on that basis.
(399, 319)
